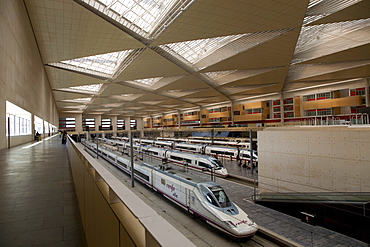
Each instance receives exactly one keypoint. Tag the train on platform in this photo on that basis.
(204, 199)
(201, 163)
(236, 153)
(198, 162)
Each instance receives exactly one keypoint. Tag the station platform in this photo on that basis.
(38, 204)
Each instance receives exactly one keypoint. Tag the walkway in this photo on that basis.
(38, 204)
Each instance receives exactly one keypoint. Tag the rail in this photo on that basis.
(112, 215)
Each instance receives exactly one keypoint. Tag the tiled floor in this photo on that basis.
(38, 204)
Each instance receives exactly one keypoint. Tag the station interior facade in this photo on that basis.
(296, 74)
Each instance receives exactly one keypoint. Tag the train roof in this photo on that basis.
(190, 177)
(222, 147)
(191, 154)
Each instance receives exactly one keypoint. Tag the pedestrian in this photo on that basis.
(64, 137)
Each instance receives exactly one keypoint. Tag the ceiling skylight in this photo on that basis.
(202, 53)
(147, 18)
(107, 65)
(195, 50)
(318, 9)
(80, 100)
(223, 77)
(88, 89)
(311, 36)
(147, 82)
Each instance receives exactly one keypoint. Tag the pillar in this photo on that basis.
(282, 109)
(127, 123)
(114, 125)
(78, 122)
(367, 96)
(232, 112)
(97, 121)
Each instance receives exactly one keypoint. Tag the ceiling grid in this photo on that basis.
(278, 45)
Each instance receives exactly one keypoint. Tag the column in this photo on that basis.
(139, 123)
(179, 119)
(127, 123)
(232, 113)
(97, 122)
(367, 84)
(281, 109)
(114, 125)
(78, 119)
(200, 116)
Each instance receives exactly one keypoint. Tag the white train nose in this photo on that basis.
(246, 230)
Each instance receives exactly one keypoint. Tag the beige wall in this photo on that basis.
(314, 159)
(23, 80)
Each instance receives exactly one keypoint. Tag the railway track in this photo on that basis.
(262, 237)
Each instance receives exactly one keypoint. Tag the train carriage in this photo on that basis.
(218, 151)
(204, 199)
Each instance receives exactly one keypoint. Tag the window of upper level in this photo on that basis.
(18, 120)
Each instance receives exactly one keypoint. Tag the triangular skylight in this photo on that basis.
(108, 65)
(151, 102)
(147, 18)
(318, 9)
(88, 89)
(80, 100)
(179, 93)
(316, 35)
(224, 77)
(126, 97)
(80, 107)
(153, 83)
(242, 89)
(195, 50)
(205, 52)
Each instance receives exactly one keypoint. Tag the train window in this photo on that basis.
(142, 175)
(221, 196)
(216, 162)
(176, 158)
(121, 163)
(187, 161)
(202, 164)
(209, 196)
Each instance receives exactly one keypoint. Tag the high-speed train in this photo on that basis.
(205, 199)
(198, 162)
(219, 151)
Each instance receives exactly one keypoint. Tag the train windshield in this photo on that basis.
(220, 196)
(217, 163)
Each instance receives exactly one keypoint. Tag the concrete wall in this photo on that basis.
(23, 80)
(314, 159)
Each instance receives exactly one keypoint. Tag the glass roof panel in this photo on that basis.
(80, 100)
(311, 36)
(145, 17)
(318, 9)
(89, 89)
(219, 74)
(195, 50)
(147, 81)
(103, 65)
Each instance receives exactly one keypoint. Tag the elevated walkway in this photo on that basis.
(38, 203)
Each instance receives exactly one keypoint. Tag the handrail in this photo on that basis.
(119, 215)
